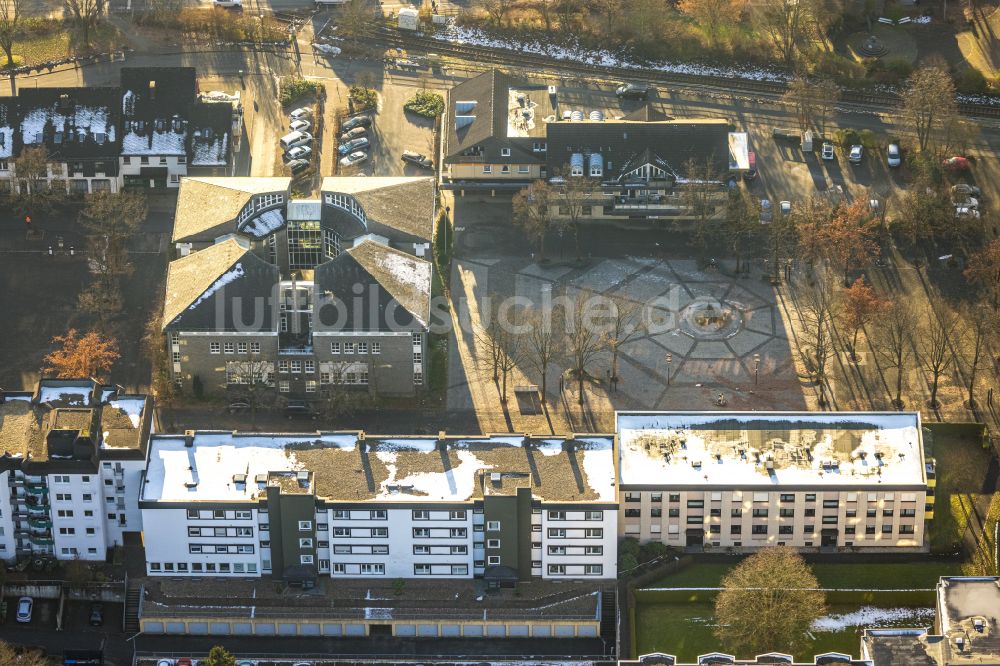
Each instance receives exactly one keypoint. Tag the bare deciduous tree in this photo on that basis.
(501, 338)
(892, 342)
(768, 602)
(983, 270)
(785, 23)
(816, 343)
(934, 344)
(584, 340)
(813, 101)
(251, 380)
(543, 342)
(929, 105)
(10, 18)
(532, 209)
(85, 14)
(977, 323)
(624, 324)
(712, 15)
(571, 195)
(497, 9)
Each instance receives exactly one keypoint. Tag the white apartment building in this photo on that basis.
(744, 480)
(70, 476)
(346, 504)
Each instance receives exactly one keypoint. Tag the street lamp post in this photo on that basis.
(756, 368)
(670, 359)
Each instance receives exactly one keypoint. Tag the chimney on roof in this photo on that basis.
(152, 90)
(189, 438)
(442, 440)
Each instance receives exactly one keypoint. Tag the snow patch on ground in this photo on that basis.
(868, 616)
(228, 277)
(464, 35)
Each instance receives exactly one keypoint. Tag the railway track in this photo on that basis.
(773, 89)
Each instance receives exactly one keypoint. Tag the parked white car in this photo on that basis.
(300, 125)
(24, 608)
(300, 113)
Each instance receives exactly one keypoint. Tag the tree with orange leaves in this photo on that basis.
(846, 240)
(89, 355)
(859, 305)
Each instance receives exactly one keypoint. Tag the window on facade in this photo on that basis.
(229, 348)
(759, 529)
(305, 244)
(214, 347)
(305, 525)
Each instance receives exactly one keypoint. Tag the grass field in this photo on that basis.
(686, 631)
(962, 463)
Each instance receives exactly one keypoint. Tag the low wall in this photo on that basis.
(36, 590)
(311, 627)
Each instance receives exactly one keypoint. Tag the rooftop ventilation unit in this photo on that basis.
(597, 115)
(576, 115)
(495, 477)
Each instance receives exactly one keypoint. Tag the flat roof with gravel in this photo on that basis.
(770, 449)
(350, 466)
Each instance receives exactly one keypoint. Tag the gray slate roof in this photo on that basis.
(202, 289)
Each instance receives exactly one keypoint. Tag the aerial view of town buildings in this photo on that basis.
(499, 332)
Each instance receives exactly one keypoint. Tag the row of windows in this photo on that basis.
(68, 497)
(656, 512)
(588, 570)
(218, 514)
(233, 347)
(505, 168)
(69, 551)
(144, 159)
(209, 567)
(220, 531)
(68, 513)
(217, 549)
(421, 514)
(808, 529)
(453, 532)
(587, 515)
(296, 367)
(588, 550)
(259, 203)
(355, 348)
(589, 533)
(347, 203)
(373, 532)
(377, 514)
(454, 570)
(765, 497)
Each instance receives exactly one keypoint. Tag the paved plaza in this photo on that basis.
(712, 326)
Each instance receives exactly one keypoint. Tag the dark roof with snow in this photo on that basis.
(400, 282)
(70, 122)
(625, 145)
(156, 109)
(224, 287)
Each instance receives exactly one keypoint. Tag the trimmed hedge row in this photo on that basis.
(874, 597)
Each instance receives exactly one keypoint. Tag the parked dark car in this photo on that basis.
(356, 121)
(639, 91)
(298, 166)
(300, 409)
(416, 158)
(96, 615)
(785, 134)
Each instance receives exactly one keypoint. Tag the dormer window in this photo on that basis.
(505, 152)
(159, 125)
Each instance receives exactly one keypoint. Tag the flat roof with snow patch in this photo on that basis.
(392, 469)
(770, 449)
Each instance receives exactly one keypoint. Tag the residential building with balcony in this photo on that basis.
(74, 453)
(347, 504)
(746, 480)
(723, 659)
(302, 295)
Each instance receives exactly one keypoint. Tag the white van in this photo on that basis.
(293, 139)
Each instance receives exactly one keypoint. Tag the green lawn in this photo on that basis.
(911, 575)
(961, 468)
(685, 630)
